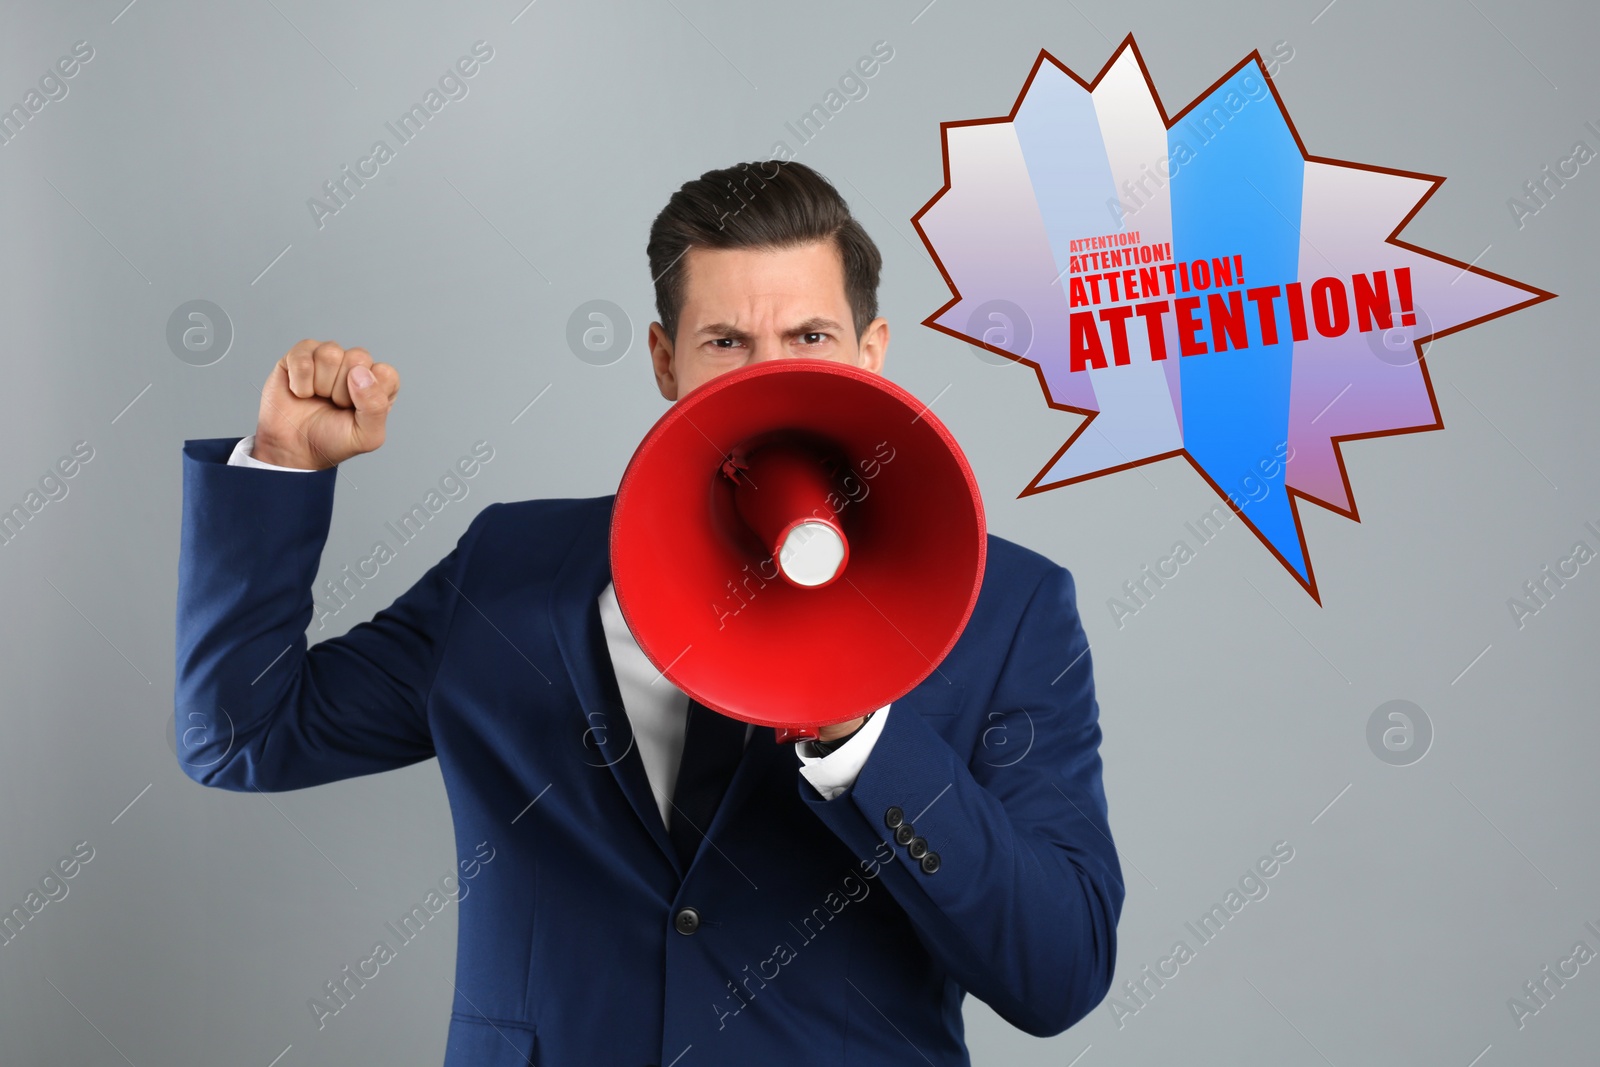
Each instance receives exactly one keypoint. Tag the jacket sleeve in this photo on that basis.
(1022, 903)
(255, 707)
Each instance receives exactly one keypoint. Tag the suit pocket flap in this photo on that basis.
(934, 698)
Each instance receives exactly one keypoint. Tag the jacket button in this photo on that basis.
(893, 818)
(904, 833)
(918, 848)
(930, 863)
(687, 921)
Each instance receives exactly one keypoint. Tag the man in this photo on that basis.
(822, 904)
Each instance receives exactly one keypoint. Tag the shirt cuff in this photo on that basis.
(836, 772)
(241, 457)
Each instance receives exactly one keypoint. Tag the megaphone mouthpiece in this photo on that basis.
(785, 493)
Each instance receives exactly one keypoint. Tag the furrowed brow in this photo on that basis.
(723, 329)
(815, 324)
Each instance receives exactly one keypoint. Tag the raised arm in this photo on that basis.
(255, 706)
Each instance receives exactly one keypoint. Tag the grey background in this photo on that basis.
(1235, 709)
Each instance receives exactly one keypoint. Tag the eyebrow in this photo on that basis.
(815, 324)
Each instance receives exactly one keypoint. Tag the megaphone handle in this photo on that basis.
(788, 735)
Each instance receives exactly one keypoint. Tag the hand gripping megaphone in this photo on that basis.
(797, 543)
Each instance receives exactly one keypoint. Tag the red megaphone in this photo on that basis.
(797, 543)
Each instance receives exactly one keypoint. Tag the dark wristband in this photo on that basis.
(824, 748)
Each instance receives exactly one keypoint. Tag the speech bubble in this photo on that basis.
(1200, 285)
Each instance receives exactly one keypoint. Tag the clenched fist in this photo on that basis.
(323, 404)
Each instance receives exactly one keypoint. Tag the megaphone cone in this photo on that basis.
(797, 543)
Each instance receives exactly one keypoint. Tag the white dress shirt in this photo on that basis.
(657, 713)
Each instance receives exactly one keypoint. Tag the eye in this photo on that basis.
(819, 338)
(724, 342)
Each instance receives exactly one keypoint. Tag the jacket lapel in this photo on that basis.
(574, 612)
(763, 760)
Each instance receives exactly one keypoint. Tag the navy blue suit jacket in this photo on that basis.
(821, 940)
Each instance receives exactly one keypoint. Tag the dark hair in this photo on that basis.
(767, 204)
